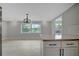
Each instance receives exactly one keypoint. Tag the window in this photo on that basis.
(36, 28)
(26, 28)
(58, 28)
(31, 28)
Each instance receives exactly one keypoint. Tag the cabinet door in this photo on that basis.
(51, 52)
(71, 51)
(51, 48)
(21, 48)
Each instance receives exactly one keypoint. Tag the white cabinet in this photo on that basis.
(51, 52)
(51, 48)
(71, 51)
(60, 48)
(21, 48)
(70, 48)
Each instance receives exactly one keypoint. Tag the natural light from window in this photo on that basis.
(30, 28)
(58, 28)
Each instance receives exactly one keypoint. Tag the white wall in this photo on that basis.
(71, 23)
(12, 30)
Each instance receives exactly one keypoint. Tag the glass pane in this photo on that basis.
(26, 27)
(58, 36)
(58, 28)
(36, 28)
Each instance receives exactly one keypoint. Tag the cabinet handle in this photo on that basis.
(60, 52)
(70, 44)
(52, 44)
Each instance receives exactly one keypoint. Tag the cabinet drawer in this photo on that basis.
(51, 43)
(69, 43)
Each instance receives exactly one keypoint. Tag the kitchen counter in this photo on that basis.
(60, 39)
(44, 39)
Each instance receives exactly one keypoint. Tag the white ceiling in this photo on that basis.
(37, 11)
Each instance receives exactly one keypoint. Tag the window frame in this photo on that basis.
(33, 22)
(54, 25)
(57, 29)
(22, 30)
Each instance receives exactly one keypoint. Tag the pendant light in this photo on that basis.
(27, 20)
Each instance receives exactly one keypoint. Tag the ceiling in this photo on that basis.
(37, 11)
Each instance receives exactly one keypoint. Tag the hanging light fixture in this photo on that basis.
(27, 20)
